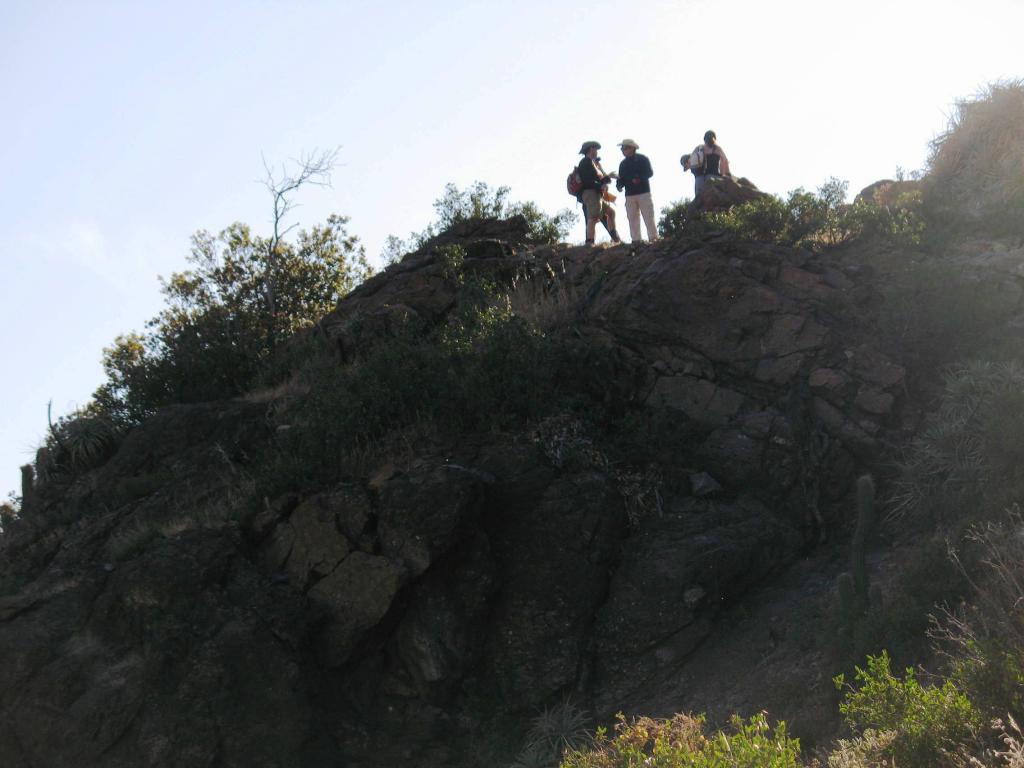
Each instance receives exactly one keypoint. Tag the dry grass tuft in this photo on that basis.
(977, 165)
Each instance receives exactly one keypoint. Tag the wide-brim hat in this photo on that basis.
(629, 143)
(588, 145)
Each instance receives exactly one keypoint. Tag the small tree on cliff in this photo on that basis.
(223, 317)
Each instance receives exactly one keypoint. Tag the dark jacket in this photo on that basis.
(591, 177)
(637, 167)
(712, 164)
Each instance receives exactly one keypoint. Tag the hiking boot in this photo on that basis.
(588, 242)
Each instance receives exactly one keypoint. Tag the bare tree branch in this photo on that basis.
(313, 169)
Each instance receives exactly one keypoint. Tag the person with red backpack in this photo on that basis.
(593, 184)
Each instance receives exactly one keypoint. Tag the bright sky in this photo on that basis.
(126, 126)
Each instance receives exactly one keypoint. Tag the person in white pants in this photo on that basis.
(634, 176)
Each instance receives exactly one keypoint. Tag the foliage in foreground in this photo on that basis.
(928, 721)
(684, 742)
(984, 639)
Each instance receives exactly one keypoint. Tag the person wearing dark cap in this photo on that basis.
(713, 162)
(595, 184)
(634, 174)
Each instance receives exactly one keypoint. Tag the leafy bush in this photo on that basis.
(976, 168)
(765, 219)
(218, 331)
(676, 220)
(928, 721)
(486, 368)
(683, 742)
(481, 201)
(805, 219)
(901, 224)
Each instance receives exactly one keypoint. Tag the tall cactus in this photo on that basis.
(858, 559)
(856, 594)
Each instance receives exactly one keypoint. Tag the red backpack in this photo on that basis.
(574, 183)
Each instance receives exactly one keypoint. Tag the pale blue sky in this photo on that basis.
(126, 126)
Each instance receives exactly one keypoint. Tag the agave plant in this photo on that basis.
(554, 731)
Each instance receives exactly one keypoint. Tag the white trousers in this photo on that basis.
(635, 206)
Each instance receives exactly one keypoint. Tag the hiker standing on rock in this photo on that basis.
(595, 184)
(706, 160)
(634, 174)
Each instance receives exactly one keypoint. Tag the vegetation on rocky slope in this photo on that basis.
(384, 500)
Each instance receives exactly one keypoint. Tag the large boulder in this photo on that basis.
(887, 192)
(720, 193)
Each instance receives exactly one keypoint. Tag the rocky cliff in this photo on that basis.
(159, 611)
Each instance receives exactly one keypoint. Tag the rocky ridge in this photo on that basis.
(153, 614)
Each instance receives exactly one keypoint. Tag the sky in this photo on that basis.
(127, 126)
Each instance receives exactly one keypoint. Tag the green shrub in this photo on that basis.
(807, 219)
(476, 202)
(901, 224)
(485, 369)
(683, 742)
(928, 721)
(217, 333)
(480, 201)
(675, 220)
(765, 219)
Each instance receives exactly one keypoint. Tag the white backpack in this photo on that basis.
(698, 162)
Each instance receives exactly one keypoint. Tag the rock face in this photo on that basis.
(422, 613)
(887, 191)
(720, 193)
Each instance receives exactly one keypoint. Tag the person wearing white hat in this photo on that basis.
(634, 175)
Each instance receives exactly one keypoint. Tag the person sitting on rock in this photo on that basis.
(634, 175)
(595, 184)
(716, 164)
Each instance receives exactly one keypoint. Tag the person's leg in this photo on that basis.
(609, 218)
(698, 183)
(647, 210)
(591, 212)
(633, 217)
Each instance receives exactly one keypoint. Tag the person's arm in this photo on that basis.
(724, 165)
(648, 170)
(606, 178)
(619, 183)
